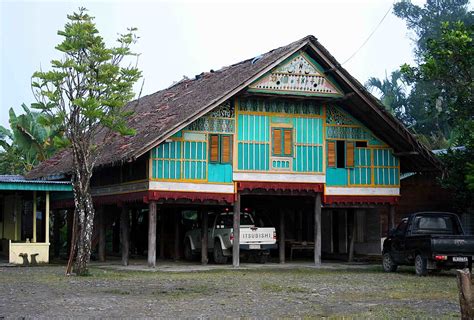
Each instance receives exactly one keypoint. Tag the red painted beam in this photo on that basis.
(282, 186)
(361, 199)
(193, 196)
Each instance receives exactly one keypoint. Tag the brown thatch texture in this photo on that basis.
(157, 115)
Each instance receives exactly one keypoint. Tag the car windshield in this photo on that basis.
(435, 224)
(227, 220)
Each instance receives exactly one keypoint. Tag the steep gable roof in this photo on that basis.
(159, 115)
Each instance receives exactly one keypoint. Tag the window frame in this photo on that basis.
(282, 142)
(337, 159)
(220, 148)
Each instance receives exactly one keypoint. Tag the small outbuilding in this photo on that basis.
(24, 217)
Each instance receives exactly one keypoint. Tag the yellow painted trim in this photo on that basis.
(324, 138)
(369, 186)
(280, 114)
(120, 184)
(308, 144)
(253, 141)
(372, 177)
(280, 125)
(121, 192)
(192, 191)
(282, 172)
(363, 195)
(203, 181)
(150, 165)
(273, 181)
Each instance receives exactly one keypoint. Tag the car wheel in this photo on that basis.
(420, 266)
(388, 264)
(188, 252)
(218, 255)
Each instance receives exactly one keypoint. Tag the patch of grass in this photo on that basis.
(273, 287)
(184, 291)
(387, 311)
(117, 292)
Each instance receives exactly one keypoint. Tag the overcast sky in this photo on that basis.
(188, 37)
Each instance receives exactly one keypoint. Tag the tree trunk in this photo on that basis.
(466, 294)
(84, 212)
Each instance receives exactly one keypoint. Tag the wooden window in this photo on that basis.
(276, 141)
(226, 149)
(282, 142)
(331, 153)
(214, 148)
(288, 142)
(349, 154)
(220, 148)
(340, 154)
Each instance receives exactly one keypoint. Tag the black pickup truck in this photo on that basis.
(430, 241)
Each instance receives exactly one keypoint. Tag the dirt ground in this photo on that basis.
(264, 292)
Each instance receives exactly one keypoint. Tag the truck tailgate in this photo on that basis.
(257, 235)
(453, 244)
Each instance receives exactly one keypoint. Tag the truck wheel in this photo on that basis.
(188, 252)
(420, 266)
(218, 255)
(262, 258)
(388, 264)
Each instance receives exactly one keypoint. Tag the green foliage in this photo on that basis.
(88, 88)
(28, 141)
(426, 21)
(440, 102)
(392, 94)
(86, 93)
(459, 177)
(429, 114)
(448, 65)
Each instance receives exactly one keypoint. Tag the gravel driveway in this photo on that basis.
(270, 292)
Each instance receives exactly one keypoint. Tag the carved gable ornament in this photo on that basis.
(298, 75)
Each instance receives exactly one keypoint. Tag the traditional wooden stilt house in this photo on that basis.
(290, 135)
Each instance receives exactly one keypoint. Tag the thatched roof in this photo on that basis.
(160, 115)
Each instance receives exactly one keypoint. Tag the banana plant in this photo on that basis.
(30, 140)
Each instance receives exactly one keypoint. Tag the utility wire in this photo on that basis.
(370, 35)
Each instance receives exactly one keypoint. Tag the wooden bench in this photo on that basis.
(304, 245)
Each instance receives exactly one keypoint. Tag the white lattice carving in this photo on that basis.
(298, 75)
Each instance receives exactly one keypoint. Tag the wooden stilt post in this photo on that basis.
(125, 232)
(102, 224)
(317, 230)
(116, 233)
(56, 232)
(299, 224)
(162, 235)
(69, 223)
(236, 244)
(281, 243)
(34, 217)
(133, 231)
(152, 234)
(176, 234)
(391, 217)
(204, 235)
(46, 220)
(352, 236)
